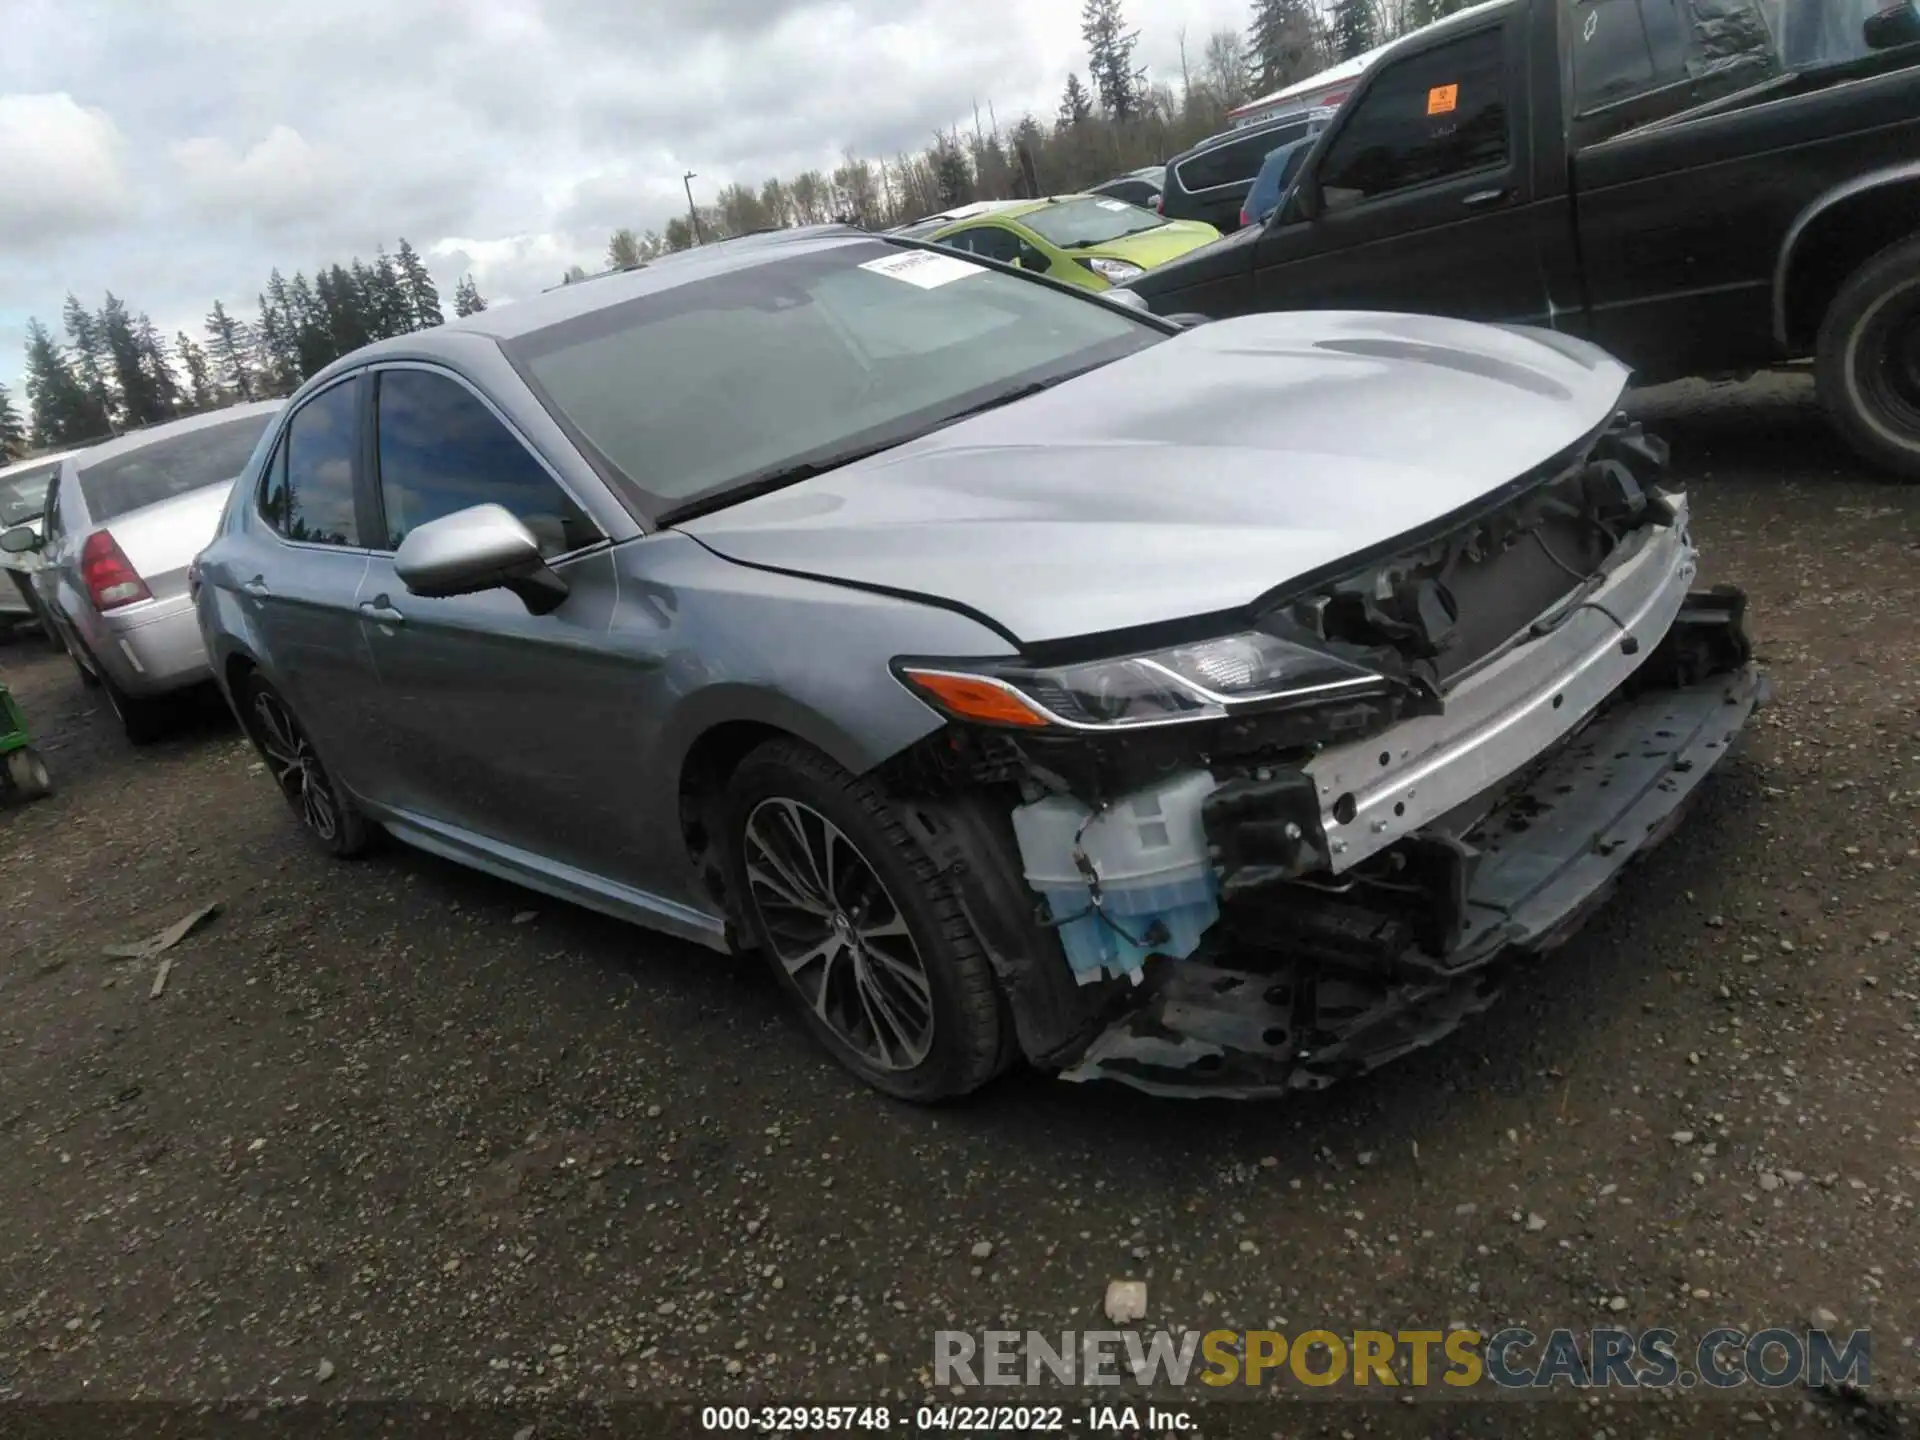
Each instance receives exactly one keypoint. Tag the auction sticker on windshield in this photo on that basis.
(1443, 99)
(923, 268)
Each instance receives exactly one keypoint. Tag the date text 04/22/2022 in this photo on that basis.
(961, 1419)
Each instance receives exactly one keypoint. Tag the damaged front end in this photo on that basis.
(1290, 854)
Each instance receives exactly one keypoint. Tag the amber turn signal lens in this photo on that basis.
(972, 698)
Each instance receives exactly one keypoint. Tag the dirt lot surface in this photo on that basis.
(394, 1129)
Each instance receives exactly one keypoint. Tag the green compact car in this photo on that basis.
(1087, 240)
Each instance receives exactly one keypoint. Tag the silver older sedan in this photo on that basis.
(123, 522)
(1217, 709)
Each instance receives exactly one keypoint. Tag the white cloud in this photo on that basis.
(281, 180)
(506, 138)
(60, 170)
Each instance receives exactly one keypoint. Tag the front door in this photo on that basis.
(1425, 194)
(506, 725)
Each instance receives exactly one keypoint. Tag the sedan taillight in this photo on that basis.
(110, 577)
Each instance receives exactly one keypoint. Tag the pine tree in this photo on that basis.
(623, 251)
(1110, 58)
(89, 358)
(423, 301)
(63, 410)
(163, 385)
(13, 430)
(280, 335)
(1355, 27)
(1284, 42)
(231, 343)
(201, 394)
(312, 346)
(951, 173)
(466, 297)
(387, 300)
(141, 399)
(1075, 106)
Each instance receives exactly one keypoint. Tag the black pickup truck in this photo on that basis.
(1702, 187)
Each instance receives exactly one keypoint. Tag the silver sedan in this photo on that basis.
(1211, 709)
(122, 524)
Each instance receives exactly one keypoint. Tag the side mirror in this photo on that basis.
(20, 540)
(1126, 299)
(1892, 28)
(1307, 199)
(480, 548)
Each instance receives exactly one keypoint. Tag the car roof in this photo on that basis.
(963, 212)
(1018, 209)
(146, 435)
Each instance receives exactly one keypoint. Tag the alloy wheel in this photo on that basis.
(838, 934)
(295, 768)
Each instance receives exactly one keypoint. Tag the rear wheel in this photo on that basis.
(1869, 360)
(860, 928)
(143, 718)
(323, 809)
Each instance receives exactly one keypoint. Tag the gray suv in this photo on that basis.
(1021, 675)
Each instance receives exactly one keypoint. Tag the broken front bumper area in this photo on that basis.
(1267, 1010)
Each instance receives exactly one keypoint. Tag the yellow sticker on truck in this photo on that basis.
(1443, 99)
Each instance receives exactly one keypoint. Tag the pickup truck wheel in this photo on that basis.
(860, 927)
(1869, 360)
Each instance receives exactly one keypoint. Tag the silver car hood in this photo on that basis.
(1192, 477)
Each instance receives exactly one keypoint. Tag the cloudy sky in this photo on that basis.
(174, 151)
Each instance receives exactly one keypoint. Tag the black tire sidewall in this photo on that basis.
(1852, 409)
(352, 833)
(955, 969)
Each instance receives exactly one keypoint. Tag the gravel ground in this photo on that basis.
(397, 1130)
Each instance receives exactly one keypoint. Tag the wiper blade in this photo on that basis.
(769, 481)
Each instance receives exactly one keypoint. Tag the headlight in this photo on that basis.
(1252, 671)
(1115, 270)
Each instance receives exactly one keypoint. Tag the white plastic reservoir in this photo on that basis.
(1156, 893)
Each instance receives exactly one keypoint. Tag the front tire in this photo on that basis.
(860, 928)
(1869, 360)
(323, 809)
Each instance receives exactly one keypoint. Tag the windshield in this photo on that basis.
(708, 387)
(171, 465)
(24, 496)
(1076, 224)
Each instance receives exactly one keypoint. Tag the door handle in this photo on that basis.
(378, 609)
(256, 586)
(1480, 199)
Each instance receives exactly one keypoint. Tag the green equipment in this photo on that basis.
(25, 774)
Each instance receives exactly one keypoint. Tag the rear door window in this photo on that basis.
(1434, 116)
(442, 450)
(307, 492)
(1234, 161)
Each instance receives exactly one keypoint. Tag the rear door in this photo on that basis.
(305, 576)
(1425, 190)
(493, 721)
